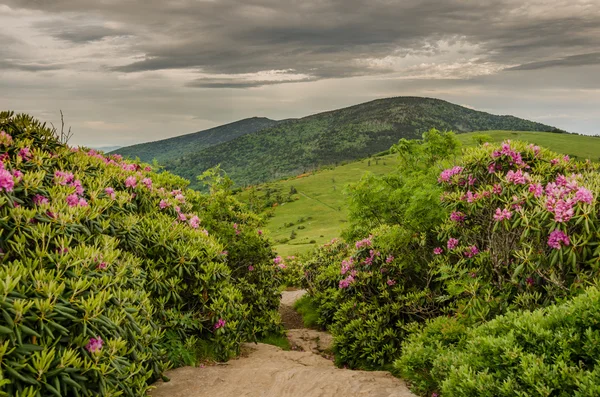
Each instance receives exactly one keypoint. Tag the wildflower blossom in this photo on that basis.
(163, 204)
(438, 251)
(536, 189)
(277, 260)
(182, 217)
(7, 182)
(78, 186)
(131, 182)
(25, 154)
(557, 238)
(447, 174)
(94, 345)
(452, 243)
(391, 282)
(180, 198)
(110, 192)
(502, 214)
(82, 202)
(72, 200)
(5, 139)
(367, 242)
(220, 324)
(583, 195)
(195, 222)
(517, 177)
(63, 178)
(38, 199)
(471, 251)
(345, 283)
(147, 182)
(389, 259)
(102, 265)
(457, 216)
(250, 268)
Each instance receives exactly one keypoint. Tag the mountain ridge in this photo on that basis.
(294, 146)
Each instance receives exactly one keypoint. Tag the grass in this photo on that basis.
(280, 341)
(308, 310)
(320, 209)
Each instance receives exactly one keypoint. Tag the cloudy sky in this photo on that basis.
(127, 71)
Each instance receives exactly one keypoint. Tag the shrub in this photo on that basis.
(522, 232)
(108, 271)
(552, 351)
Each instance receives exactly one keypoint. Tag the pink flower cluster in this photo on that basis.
(471, 251)
(447, 174)
(194, 222)
(94, 345)
(457, 216)
(7, 182)
(438, 251)
(372, 255)
(25, 154)
(557, 238)
(63, 178)
(537, 189)
(366, 242)
(452, 243)
(345, 283)
(5, 139)
(131, 182)
(563, 194)
(73, 200)
(236, 228)
(38, 199)
(515, 157)
(219, 324)
(347, 265)
(517, 177)
(110, 192)
(502, 214)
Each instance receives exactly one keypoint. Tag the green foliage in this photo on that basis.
(553, 351)
(109, 270)
(176, 147)
(279, 340)
(308, 310)
(291, 271)
(293, 147)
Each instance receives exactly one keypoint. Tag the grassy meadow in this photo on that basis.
(319, 212)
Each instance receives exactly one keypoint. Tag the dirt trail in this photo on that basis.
(267, 371)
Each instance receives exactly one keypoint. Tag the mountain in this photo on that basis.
(169, 149)
(295, 146)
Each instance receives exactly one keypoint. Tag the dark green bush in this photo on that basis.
(110, 269)
(554, 351)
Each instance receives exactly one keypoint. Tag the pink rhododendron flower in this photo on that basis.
(147, 168)
(94, 345)
(367, 242)
(220, 324)
(497, 189)
(557, 238)
(180, 198)
(584, 196)
(250, 268)
(438, 250)
(82, 202)
(389, 259)
(102, 265)
(447, 174)
(5, 139)
(536, 189)
(195, 222)
(18, 175)
(452, 243)
(471, 251)
(62, 178)
(282, 266)
(147, 182)
(182, 217)
(517, 177)
(78, 187)
(131, 182)
(259, 232)
(391, 282)
(163, 204)
(502, 214)
(72, 200)
(7, 182)
(38, 199)
(554, 161)
(345, 283)
(457, 216)
(277, 260)
(492, 168)
(25, 153)
(205, 232)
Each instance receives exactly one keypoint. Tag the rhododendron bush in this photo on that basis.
(109, 270)
(522, 232)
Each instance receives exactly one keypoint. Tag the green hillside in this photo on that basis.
(295, 146)
(320, 204)
(168, 149)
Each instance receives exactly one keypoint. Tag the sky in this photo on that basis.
(129, 71)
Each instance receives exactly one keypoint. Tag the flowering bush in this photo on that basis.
(554, 351)
(523, 229)
(104, 264)
(364, 294)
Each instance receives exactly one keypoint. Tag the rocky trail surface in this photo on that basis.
(267, 371)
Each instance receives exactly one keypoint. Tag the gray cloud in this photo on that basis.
(570, 61)
(129, 71)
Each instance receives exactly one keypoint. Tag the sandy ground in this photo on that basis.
(267, 371)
